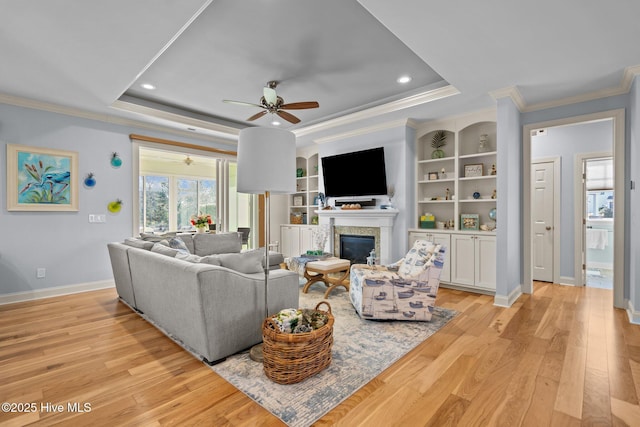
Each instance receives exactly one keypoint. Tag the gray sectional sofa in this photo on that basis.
(209, 297)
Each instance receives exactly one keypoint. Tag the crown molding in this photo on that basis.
(510, 92)
(367, 130)
(106, 118)
(389, 107)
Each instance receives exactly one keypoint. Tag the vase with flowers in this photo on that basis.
(201, 222)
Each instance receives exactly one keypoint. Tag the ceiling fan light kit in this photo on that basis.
(274, 104)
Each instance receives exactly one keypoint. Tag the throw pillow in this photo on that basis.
(164, 250)
(152, 237)
(419, 257)
(245, 262)
(218, 243)
(188, 257)
(178, 244)
(138, 243)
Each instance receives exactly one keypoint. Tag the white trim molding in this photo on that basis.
(55, 291)
(502, 301)
(634, 316)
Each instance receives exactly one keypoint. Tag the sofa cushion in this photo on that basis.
(179, 244)
(153, 237)
(419, 257)
(138, 243)
(245, 262)
(218, 243)
(210, 259)
(188, 257)
(164, 250)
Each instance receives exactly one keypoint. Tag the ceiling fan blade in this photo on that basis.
(300, 105)
(288, 117)
(228, 101)
(270, 95)
(257, 115)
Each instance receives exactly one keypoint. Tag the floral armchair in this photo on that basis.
(405, 290)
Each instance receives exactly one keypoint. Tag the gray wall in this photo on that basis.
(72, 250)
(565, 142)
(634, 199)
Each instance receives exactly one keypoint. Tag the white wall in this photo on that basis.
(634, 201)
(72, 251)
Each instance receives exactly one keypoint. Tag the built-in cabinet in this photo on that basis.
(470, 259)
(458, 181)
(303, 202)
(296, 239)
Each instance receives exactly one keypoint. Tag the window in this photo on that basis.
(173, 186)
(599, 186)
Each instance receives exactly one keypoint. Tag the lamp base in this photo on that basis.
(256, 353)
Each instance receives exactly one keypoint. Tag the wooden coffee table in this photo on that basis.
(318, 271)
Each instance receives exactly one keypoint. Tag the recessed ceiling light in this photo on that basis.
(148, 86)
(275, 123)
(404, 79)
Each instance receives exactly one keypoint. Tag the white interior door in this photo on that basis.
(542, 216)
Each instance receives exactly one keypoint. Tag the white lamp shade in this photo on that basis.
(266, 161)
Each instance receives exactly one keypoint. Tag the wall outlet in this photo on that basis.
(96, 218)
(41, 272)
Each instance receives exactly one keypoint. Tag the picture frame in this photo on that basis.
(41, 179)
(297, 200)
(473, 170)
(433, 176)
(469, 222)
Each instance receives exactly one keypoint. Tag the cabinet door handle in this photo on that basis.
(548, 228)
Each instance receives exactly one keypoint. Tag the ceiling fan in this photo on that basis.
(272, 103)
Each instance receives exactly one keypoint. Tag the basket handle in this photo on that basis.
(271, 324)
(325, 303)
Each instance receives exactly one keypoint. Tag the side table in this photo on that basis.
(318, 271)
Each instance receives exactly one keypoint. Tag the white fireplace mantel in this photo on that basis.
(381, 218)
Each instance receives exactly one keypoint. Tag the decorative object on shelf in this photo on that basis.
(487, 227)
(295, 218)
(476, 195)
(443, 174)
(299, 172)
(428, 220)
(469, 222)
(438, 141)
(41, 179)
(494, 194)
(201, 222)
(391, 191)
(351, 206)
(483, 143)
(115, 206)
(90, 180)
(473, 170)
(297, 200)
(314, 220)
(116, 161)
(371, 259)
(446, 194)
(493, 214)
(493, 170)
(322, 199)
(433, 176)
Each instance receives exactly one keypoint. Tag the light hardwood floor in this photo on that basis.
(562, 356)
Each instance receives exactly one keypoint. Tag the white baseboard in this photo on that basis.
(566, 280)
(502, 301)
(634, 316)
(55, 291)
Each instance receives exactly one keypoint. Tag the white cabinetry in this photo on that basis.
(473, 261)
(296, 239)
(443, 239)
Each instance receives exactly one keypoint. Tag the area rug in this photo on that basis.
(362, 349)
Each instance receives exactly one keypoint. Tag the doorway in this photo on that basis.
(598, 220)
(571, 267)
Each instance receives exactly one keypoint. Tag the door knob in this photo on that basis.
(548, 228)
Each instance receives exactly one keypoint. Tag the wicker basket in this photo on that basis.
(291, 358)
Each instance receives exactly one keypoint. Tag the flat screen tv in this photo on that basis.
(360, 173)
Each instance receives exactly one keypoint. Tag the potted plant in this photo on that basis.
(438, 141)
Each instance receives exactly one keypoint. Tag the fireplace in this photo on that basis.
(356, 248)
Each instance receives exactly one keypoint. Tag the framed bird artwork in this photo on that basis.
(41, 179)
